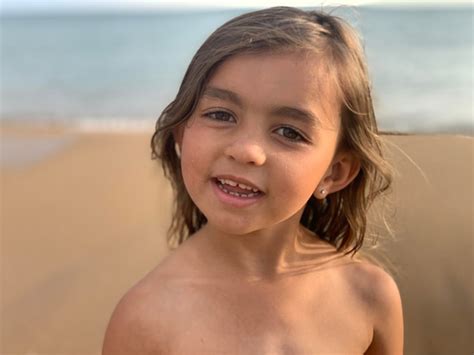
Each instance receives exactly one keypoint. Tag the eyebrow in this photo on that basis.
(226, 95)
(298, 114)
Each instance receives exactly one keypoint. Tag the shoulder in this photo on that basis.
(378, 291)
(373, 284)
(138, 322)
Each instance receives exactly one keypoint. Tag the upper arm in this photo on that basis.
(121, 336)
(387, 315)
(133, 327)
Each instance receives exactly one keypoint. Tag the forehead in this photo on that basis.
(269, 79)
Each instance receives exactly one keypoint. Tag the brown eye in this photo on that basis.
(220, 116)
(290, 134)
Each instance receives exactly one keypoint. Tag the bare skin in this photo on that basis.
(331, 305)
(253, 280)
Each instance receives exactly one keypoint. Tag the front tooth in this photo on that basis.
(245, 187)
(231, 183)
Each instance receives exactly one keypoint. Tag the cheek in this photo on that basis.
(194, 156)
(300, 177)
(189, 163)
(303, 181)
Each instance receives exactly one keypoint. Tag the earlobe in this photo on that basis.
(321, 192)
(342, 171)
(178, 138)
(177, 149)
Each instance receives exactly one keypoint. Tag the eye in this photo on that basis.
(220, 116)
(290, 134)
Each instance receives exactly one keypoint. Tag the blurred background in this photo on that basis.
(103, 63)
(84, 210)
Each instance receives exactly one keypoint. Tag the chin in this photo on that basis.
(234, 225)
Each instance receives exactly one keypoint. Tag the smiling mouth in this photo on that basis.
(237, 189)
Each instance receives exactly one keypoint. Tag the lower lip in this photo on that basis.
(234, 201)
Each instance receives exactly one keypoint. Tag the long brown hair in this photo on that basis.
(341, 219)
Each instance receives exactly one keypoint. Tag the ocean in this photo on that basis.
(112, 70)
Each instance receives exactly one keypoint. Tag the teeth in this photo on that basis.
(233, 183)
(245, 187)
(236, 193)
(230, 182)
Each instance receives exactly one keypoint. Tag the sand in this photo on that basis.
(86, 217)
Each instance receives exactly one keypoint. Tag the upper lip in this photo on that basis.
(239, 179)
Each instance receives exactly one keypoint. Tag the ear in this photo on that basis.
(178, 138)
(342, 170)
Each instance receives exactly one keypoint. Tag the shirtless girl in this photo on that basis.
(273, 151)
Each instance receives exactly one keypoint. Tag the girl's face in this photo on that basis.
(260, 141)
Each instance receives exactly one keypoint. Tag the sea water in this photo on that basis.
(105, 70)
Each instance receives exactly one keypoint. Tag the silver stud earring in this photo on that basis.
(322, 191)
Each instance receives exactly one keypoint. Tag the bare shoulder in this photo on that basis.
(138, 323)
(373, 284)
(379, 292)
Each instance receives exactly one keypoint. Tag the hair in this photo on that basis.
(340, 219)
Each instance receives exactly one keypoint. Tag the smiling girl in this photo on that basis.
(273, 151)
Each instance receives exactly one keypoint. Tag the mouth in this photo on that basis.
(237, 188)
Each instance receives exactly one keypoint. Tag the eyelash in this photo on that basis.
(209, 115)
(299, 137)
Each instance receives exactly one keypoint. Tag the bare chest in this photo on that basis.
(293, 318)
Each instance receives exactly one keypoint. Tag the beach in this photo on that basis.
(84, 216)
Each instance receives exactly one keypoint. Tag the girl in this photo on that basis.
(273, 151)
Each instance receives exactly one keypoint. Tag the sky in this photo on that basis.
(34, 5)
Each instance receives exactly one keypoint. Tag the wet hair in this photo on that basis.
(340, 219)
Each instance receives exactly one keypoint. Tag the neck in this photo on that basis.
(267, 255)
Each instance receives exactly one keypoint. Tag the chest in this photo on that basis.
(290, 319)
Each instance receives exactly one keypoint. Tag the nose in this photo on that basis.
(246, 151)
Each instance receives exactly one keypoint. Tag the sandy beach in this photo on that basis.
(84, 216)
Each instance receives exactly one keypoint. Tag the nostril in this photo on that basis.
(246, 153)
